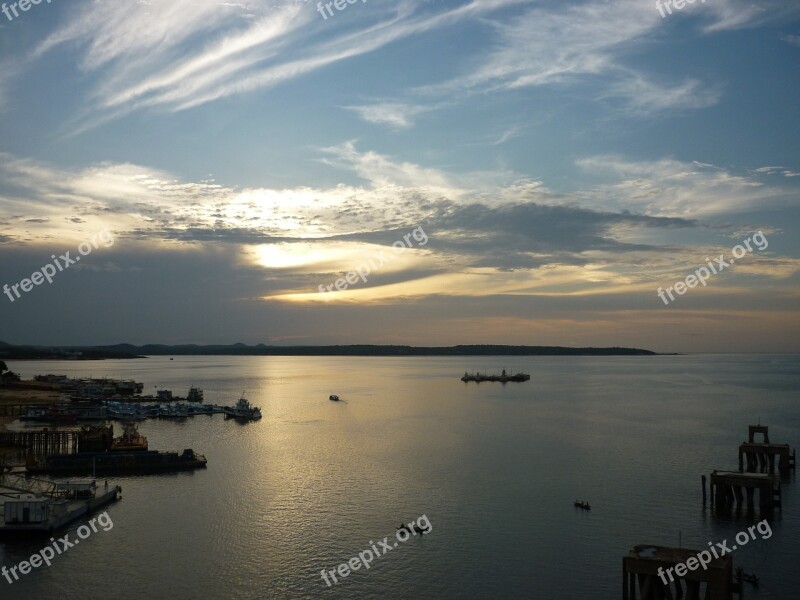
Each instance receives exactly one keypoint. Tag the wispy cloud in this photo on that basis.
(670, 187)
(394, 114)
(593, 42)
(156, 55)
(646, 97)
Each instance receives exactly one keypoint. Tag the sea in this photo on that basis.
(494, 469)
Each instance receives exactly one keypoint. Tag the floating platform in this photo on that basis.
(29, 511)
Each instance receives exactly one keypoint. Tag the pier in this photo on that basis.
(733, 488)
(45, 442)
(646, 568)
(763, 457)
(41, 442)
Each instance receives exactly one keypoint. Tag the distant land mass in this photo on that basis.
(12, 352)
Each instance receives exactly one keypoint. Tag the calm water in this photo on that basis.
(495, 468)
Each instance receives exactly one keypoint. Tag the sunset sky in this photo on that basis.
(564, 160)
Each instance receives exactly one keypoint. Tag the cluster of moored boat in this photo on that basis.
(134, 411)
(140, 412)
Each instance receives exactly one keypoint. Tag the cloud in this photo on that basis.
(593, 43)
(645, 97)
(395, 114)
(670, 187)
(157, 55)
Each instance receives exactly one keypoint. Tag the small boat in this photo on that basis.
(243, 411)
(415, 529)
(333, 397)
(583, 505)
(751, 578)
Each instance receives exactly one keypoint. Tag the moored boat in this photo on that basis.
(130, 440)
(243, 411)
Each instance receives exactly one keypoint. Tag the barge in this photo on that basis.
(52, 506)
(503, 378)
(140, 461)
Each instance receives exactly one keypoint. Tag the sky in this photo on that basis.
(423, 172)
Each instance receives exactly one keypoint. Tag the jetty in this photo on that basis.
(733, 488)
(646, 568)
(763, 457)
(503, 377)
(45, 442)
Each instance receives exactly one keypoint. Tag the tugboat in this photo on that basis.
(130, 440)
(583, 505)
(333, 397)
(243, 411)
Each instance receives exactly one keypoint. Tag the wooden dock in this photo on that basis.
(41, 443)
(46, 442)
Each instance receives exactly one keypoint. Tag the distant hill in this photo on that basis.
(8, 351)
(11, 352)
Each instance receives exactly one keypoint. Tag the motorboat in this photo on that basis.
(243, 410)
